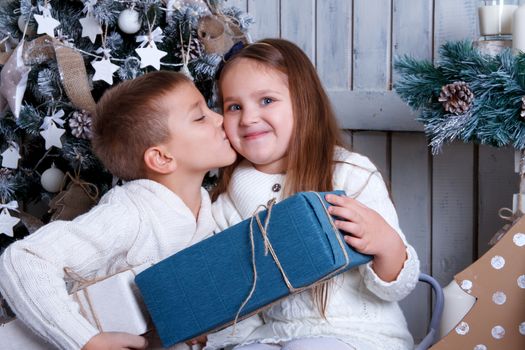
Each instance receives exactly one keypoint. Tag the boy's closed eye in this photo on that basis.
(201, 118)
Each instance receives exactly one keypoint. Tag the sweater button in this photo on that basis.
(276, 187)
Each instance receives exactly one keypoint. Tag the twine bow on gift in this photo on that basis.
(80, 283)
(269, 248)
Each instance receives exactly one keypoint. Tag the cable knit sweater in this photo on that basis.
(139, 222)
(362, 309)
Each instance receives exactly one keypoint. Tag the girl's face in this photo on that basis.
(258, 117)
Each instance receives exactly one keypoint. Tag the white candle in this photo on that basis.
(518, 30)
(496, 19)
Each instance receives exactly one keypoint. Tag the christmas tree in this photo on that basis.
(57, 58)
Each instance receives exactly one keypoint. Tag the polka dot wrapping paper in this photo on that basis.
(497, 280)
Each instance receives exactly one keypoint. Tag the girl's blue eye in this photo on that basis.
(267, 101)
(234, 107)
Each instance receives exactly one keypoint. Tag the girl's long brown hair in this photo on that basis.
(310, 157)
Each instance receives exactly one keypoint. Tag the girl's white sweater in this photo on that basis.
(363, 309)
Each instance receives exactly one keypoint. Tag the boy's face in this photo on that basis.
(198, 141)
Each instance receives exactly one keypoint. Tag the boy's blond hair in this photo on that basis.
(130, 118)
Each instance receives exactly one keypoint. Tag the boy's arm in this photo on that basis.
(32, 269)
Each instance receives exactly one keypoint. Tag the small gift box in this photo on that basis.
(205, 287)
(113, 304)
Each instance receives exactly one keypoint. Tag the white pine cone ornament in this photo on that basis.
(195, 48)
(80, 123)
(456, 98)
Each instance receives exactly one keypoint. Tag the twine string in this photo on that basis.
(269, 248)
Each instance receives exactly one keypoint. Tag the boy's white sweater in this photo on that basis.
(139, 222)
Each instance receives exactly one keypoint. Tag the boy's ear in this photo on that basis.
(158, 160)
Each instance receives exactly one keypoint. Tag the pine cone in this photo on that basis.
(456, 98)
(523, 107)
(195, 48)
(80, 123)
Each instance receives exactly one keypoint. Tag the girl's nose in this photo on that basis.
(249, 117)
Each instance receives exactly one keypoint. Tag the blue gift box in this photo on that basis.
(201, 288)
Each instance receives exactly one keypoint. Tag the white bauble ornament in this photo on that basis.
(51, 179)
(129, 22)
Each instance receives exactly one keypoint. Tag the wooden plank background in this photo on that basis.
(447, 204)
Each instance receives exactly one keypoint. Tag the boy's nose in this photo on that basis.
(218, 118)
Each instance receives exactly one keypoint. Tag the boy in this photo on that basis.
(156, 132)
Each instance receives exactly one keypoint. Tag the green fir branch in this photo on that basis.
(497, 83)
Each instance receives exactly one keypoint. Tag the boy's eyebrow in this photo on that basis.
(194, 106)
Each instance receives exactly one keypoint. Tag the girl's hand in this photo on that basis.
(115, 341)
(369, 233)
(198, 341)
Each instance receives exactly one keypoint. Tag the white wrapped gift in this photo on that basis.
(14, 335)
(114, 304)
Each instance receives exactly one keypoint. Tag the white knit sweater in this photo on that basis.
(362, 309)
(139, 222)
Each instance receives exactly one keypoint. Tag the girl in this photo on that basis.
(278, 118)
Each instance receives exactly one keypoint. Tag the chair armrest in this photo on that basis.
(433, 329)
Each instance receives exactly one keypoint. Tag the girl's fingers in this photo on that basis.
(357, 243)
(344, 201)
(345, 213)
(352, 228)
(335, 199)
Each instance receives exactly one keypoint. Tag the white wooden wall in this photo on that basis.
(447, 204)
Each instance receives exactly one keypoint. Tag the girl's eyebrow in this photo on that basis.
(253, 94)
(264, 92)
